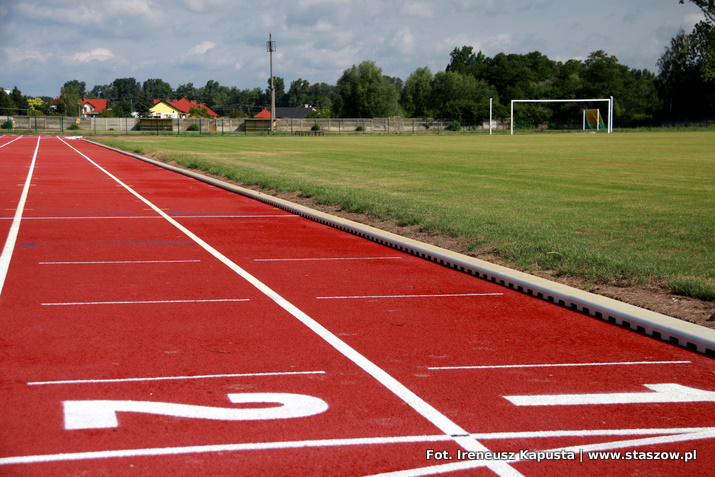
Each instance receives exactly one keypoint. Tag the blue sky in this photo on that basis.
(44, 43)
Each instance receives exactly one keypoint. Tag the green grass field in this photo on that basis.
(629, 208)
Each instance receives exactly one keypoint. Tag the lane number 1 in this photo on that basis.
(103, 414)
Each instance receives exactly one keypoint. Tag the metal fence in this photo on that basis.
(391, 125)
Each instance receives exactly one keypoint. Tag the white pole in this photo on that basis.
(271, 48)
(610, 117)
(490, 115)
(598, 118)
(584, 119)
(512, 117)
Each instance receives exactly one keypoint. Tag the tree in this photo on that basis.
(465, 62)
(7, 105)
(299, 93)
(363, 92)
(122, 109)
(196, 112)
(457, 96)
(641, 96)
(20, 102)
(126, 89)
(37, 106)
(246, 102)
(279, 85)
(102, 91)
(604, 76)
(703, 37)
(511, 75)
(708, 8)
(187, 91)
(680, 79)
(80, 86)
(143, 105)
(69, 101)
(321, 95)
(157, 88)
(417, 92)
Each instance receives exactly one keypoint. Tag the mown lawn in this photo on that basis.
(630, 208)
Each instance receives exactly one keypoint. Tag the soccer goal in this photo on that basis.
(609, 123)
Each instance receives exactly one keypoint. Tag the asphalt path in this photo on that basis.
(155, 324)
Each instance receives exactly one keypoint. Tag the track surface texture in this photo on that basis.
(157, 325)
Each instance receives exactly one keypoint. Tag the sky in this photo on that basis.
(44, 43)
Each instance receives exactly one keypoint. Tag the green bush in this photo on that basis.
(74, 127)
(316, 127)
(6, 125)
(454, 126)
(193, 127)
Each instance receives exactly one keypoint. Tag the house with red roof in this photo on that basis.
(92, 107)
(264, 114)
(167, 108)
(286, 113)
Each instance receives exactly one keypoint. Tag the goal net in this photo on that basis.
(539, 114)
(592, 119)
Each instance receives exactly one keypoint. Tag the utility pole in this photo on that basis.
(271, 47)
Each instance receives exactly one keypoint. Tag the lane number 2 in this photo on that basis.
(103, 414)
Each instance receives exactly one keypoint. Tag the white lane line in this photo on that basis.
(322, 259)
(442, 422)
(680, 434)
(96, 217)
(15, 227)
(100, 217)
(144, 302)
(10, 142)
(556, 365)
(118, 261)
(405, 296)
(172, 378)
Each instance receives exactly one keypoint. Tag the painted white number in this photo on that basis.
(667, 392)
(103, 414)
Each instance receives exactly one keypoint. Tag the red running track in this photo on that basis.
(156, 325)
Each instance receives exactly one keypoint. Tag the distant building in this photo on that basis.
(92, 107)
(286, 113)
(262, 120)
(175, 109)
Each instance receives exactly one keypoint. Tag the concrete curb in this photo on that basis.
(650, 323)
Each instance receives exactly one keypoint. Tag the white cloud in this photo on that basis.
(16, 55)
(323, 26)
(131, 7)
(405, 40)
(96, 54)
(419, 10)
(201, 48)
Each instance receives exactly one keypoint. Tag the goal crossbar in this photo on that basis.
(607, 100)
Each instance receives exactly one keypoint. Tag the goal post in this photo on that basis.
(609, 126)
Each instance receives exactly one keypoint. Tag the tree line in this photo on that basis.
(684, 87)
